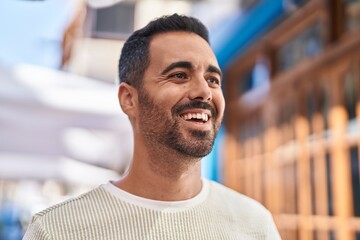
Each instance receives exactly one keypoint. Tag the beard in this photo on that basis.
(158, 126)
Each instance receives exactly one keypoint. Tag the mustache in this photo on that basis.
(195, 105)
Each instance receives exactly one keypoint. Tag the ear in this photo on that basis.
(128, 99)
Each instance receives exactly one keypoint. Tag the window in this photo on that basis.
(354, 153)
(246, 83)
(258, 76)
(306, 44)
(313, 185)
(310, 109)
(324, 105)
(329, 185)
(291, 5)
(246, 5)
(357, 235)
(350, 95)
(300, 2)
(332, 235)
(352, 14)
(116, 21)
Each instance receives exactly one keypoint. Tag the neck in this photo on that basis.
(162, 175)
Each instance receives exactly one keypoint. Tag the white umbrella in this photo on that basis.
(51, 121)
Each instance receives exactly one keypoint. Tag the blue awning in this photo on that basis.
(239, 31)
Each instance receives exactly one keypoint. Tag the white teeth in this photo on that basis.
(201, 116)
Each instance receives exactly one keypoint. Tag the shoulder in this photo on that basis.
(243, 213)
(232, 196)
(72, 216)
(74, 204)
(79, 216)
(235, 202)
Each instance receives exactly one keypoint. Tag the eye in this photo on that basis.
(213, 81)
(179, 75)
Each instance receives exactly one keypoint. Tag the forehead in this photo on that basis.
(170, 47)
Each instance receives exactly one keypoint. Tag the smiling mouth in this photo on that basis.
(195, 117)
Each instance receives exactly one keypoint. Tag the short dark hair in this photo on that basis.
(135, 58)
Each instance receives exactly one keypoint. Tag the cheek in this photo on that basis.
(171, 96)
(219, 103)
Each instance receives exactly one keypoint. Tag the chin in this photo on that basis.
(196, 148)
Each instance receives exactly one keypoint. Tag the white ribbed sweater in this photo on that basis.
(107, 212)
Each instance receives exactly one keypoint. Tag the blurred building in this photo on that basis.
(292, 87)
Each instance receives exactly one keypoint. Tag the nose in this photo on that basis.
(200, 90)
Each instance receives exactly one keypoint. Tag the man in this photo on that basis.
(171, 91)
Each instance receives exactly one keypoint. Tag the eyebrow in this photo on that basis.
(214, 69)
(181, 64)
(189, 65)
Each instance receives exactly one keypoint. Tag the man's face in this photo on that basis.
(181, 103)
